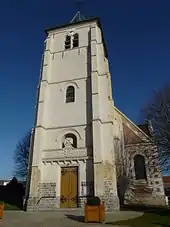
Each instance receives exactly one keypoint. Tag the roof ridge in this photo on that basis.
(133, 123)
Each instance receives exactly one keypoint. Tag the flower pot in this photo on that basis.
(94, 213)
(1, 210)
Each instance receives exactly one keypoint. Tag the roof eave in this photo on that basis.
(71, 24)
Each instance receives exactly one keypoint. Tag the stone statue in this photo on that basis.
(68, 143)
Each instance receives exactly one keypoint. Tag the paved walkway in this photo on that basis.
(61, 218)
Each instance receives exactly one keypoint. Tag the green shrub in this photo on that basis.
(10, 207)
(93, 201)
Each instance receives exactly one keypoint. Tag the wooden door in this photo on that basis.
(69, 187)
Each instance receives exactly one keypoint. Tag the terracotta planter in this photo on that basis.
(1, 210)
(94, 213)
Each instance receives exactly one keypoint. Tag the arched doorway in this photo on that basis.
(140, 168)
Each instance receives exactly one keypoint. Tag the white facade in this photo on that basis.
(88, 118)
(83, 129)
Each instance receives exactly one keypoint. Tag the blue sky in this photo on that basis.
(137, 35)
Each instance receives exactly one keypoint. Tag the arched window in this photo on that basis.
(76, 40)
(69, 140)
(70, 94)
(140, 169)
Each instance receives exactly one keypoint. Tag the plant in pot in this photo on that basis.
(93, 201)
(94, 210)
(1, 209)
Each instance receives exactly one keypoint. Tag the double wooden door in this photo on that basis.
(69, 187)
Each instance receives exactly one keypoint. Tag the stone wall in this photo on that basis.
(46, 199)
(47, 195)
(110, 197)
(136, 141)
(31, 204)
(132, 198)
(150, 191)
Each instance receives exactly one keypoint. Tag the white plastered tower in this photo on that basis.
(73, 128)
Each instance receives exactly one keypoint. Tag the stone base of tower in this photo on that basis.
(49, 204)
(43, 204)
(31, 204)
(46, 195)
(106, 188)
(111, 203)
(46, 199)
(52, 204)
(109, 198)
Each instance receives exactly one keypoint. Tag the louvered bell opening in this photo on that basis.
(68, 42)
(76, 41)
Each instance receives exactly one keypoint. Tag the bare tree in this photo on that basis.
(157, 114)
(21, 156)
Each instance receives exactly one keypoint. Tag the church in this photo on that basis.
(81, 144)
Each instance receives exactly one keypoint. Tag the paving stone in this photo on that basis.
(62, 218)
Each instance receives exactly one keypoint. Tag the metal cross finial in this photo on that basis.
(78, 16)
(78, 4)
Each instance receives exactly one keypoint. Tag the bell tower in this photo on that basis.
(72, 142)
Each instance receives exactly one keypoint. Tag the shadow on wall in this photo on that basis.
(12, 194)
(122, 186)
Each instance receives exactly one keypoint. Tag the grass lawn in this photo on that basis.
(151, 218)
(10, 207)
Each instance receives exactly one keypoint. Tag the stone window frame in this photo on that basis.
(146, 165)
(67, 42)
(71, 40)
(72, 84)
(144, 162)
(70, 94)
(75, 40)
